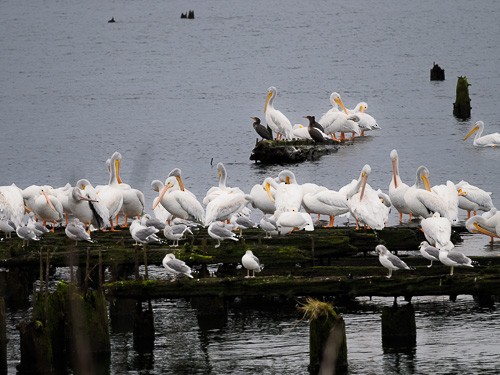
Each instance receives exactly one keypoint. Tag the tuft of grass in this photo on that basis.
(314, 309)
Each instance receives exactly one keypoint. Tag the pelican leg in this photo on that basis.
(475, 212)
(334, 138)
(468, 214)
(400, 217)
(125, 223)
(362, 133)
(342, 136)
(331, 222)
(66, 216)
(112, 226)
(253, 273)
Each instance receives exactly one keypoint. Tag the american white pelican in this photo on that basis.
(326, 202)
(143, 234)
(397, 188)
(62, 193)
(219, 231)
(31, 193)
(263, 200)
(159, 211)
(176, 267)
(294, 220)
(48, 208)
(85, 205)
(488, 224)
(419, 198)
(276, 120)
(473, 198)
(224, 206)
(263, 131)
(437, 231)
(429, 252)
(111, 194)
(488, 140)
(389, 260)
(336, 120)
(449, 196)
(288, 193)
(222, 187)
(365, 205)
(364, 120)
(454, 259)
(251, 263)
(180, 203)
(176, 232)
(75, 230)
(133, 199)
(12, 203)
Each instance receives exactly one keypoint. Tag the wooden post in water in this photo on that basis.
(398, 326)
(461, 107)
(3, 338)
(144, 328)
(437, 73)
(327, 338)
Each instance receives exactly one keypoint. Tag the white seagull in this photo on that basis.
(389, 260)
(251, 263)
(75, 230)
(429, 252)
(176, 267)
(454, 259)
(221, 232)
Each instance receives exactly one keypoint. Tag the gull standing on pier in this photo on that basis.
(454, 259)
(220, 232)
(75, 230)
(176, 267)
(251, 263)
(429, 252)
(389, 260)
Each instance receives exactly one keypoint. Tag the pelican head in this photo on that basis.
(271, 93)
(477, 126)
(287, 177)
(338, 100)
(176, 172)
(423, 174)
(168, 185)
(365, 172)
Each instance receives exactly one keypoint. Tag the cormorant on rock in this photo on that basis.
(264, 132)
(315, 129)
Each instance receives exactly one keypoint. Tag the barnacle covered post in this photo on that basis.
(461, 107)
(398, 326)
(327, 338)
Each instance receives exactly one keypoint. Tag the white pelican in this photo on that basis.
(48, 208)
(111, 194)
(288, 195)
(437, 231)
(336, 120)
(488, 140)
(473, 198)
(419, 198)
(143, 234)
(251, 263)
(365, 205)
(263, 200)
(85, 205)
(178, 202)
(365, 121)
(294, 220)
(326, 202)
(75, 230)
(176, 267)
(224, 206)
(454, 259)
(222, 188)
(488, 224)
(12, 203)
(133, 199)
(31, 193)
(397, 188)
(159, 211)
(389, 260)
(449, 196)
(429, 252)
(276, 120)
(62, 193)
(219, 231)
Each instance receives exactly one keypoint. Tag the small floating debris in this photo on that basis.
(437, 73)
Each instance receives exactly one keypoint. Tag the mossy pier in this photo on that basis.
(338, 261)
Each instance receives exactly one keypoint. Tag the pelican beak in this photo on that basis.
(473, 130)
(163, 191)
(341, 104)
(181, 184)
(83, 198)
(48, 200)
(117, 167)
(268, 189)
(362, 109)
(287, 180)
(268, 97)
(484, 231)
(83, 186)
(461, 193)
(427, 184)
(394, 167)
(364, 179)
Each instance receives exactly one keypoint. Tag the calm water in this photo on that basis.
(168, 93)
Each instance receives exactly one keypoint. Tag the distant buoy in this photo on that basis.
(112, 20)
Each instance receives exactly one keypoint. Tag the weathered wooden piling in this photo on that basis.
(327, 338)
(461, 107)
(437, 73)
(144, 328)
(211, 311)
(3, 338)
(398, 326)
(121, 314)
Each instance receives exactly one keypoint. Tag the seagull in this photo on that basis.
(76, 231)
(251, 263)
(176, 266)
(454, 259)
(6, 225)
(242, 222)
(220, 232)
(268, 225)
(176, 232)
(390, 261)
(429, 252)
(143, 234)
(26, 234)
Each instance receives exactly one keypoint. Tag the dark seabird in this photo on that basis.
(264, 132)
(112, 20)
(315, 130)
